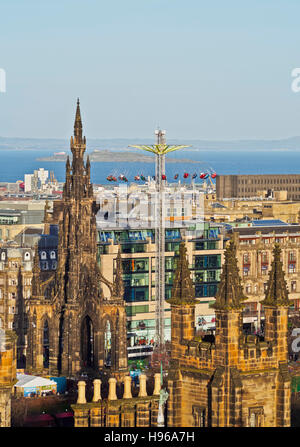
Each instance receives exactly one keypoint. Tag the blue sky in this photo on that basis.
(199, 69)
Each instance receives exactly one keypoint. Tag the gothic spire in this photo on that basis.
(46, 212)
(88, 167)
(36, 289)
(78, 124)
(68, 166)
(118, 286)
(277, 292)
(183, 291)
(230, 293)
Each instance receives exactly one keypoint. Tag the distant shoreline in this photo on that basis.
(52, 145)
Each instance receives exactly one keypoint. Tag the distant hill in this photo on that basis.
(117, 144)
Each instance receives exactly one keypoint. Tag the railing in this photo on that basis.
(139, 351)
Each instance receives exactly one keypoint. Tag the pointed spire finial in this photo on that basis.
(230, 293)
(277, 292)
(36, 259)
(183, 291)
(118, 286)
(46, 212)
(78, 123)
(68, 166)
(36, 289)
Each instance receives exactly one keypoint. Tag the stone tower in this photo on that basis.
(183, 303)
(85, 329)
(233, 380)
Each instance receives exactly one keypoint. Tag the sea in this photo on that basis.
(15, 163)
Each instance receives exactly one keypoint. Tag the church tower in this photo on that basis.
(86, 330)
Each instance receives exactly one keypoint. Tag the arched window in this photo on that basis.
(87, 342)
(3, 256)
(107, 345)
(45, 265)
(43, 255)
(27, 256)
(46, 344)
(52, 254)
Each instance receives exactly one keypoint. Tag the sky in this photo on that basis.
(211, 70)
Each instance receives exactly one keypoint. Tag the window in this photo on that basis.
(199, 416)
(45, 265)
(43, 255)
(27, 256)
(132, 294)
(264, 263)
(135, 265)
(292, 256)
(293, 286)
(292, 267)
(206, 290)
(207, 261)
(246, 270)
(246, 258)
(52, 255)
(256, 417)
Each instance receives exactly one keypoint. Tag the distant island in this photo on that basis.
(111, 156)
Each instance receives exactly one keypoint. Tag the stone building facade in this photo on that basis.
(254, 247)
(126, 408)
(72, 324)
(15, 290)
(230, 380)
(230, 186)
(7, 374)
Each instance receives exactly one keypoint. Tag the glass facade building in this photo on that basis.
(138, 260)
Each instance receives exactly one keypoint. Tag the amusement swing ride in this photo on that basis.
(208, 174)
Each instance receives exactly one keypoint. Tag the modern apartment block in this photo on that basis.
(16, 217)
(246, 186)
(138, 257)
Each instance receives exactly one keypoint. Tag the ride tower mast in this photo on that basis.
(160, 149)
